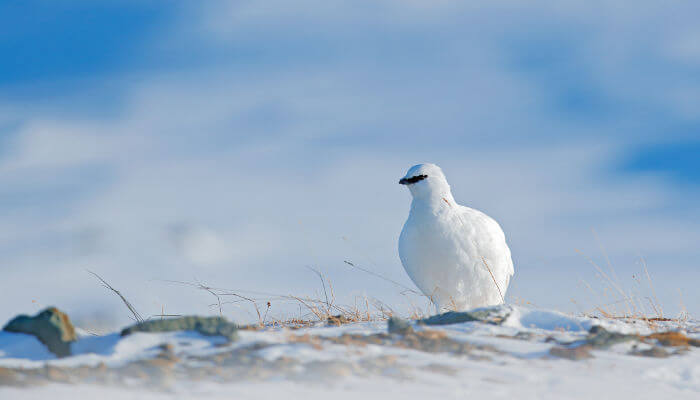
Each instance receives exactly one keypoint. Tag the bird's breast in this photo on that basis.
(429, 242)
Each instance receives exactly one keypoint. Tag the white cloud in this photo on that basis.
(199, 245)
(56, 144)
(269, 165)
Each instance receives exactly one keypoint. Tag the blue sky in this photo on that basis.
(238, 142)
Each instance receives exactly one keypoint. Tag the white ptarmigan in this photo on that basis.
(456, 255)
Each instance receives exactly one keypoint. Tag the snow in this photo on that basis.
(510, 360)
(546, 320)
(24, 351)
(16, 347)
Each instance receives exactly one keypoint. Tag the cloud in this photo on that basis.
(289, 134)
(199, 245)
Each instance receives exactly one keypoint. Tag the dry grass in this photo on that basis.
(614, 301)
(320, 308)
(128, 305)
(312, 310)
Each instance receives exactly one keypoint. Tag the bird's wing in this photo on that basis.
(488, 238)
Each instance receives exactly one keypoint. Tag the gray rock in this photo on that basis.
(600, 337)
(450, 317)
(51, 326)
(399, 326)
(492, 315)
(208, 326)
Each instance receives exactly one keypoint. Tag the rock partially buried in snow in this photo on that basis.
(599, 337)
(51, 326)
(208, 326)
(492, 315)
(399, 326)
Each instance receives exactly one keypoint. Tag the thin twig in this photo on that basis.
(323, 283)
(126, 302)
(494, 279)
(406, 288)
(659, 311)
(613, 284)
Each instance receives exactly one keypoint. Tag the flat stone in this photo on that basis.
(208, 326)
(600, 337)
(492, 315)
(448, 318)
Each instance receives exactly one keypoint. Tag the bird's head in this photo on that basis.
(426, 181)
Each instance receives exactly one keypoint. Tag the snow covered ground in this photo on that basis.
(515, 352)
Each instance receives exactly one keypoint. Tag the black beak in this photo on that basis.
(411, 180)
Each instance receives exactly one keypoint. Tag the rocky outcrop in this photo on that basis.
(208, 326)
(51, 326)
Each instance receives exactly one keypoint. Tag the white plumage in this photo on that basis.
(456, 255)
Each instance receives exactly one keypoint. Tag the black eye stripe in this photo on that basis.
(413, 179)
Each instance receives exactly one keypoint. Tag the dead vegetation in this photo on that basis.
(321, 308)
(615, 301)
(612, 299)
